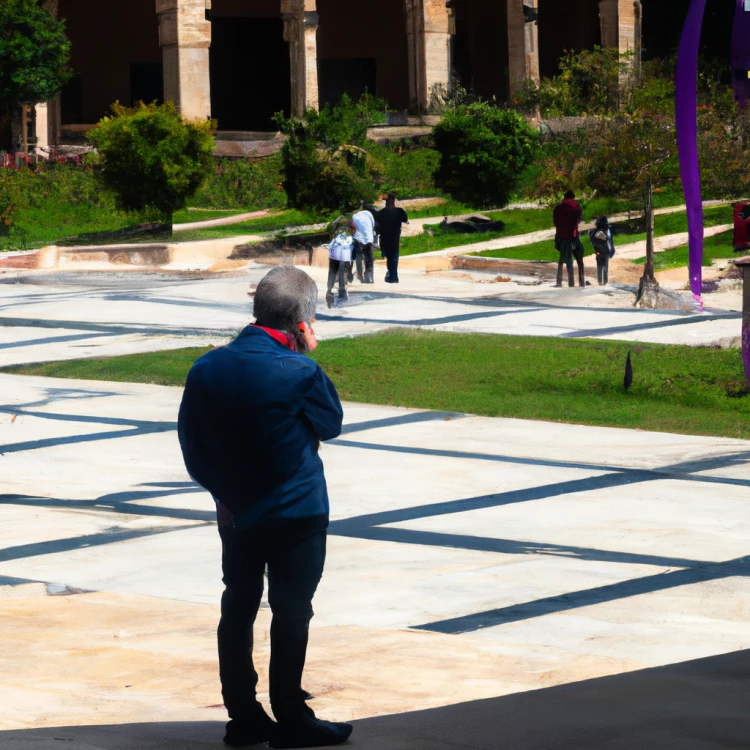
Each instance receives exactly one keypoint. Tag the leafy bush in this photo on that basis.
(408, 168)
(54, 201)
(153, 158)
(484, 150)
(325, 167)
(243, 184)
(589, 83)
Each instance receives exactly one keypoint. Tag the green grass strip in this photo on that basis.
(678, 389)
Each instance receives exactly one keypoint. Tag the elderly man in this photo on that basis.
(252, 418)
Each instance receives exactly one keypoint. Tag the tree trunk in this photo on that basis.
(170, 223)
(648, 290)
(25, 132)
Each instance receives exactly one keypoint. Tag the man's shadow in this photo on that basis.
(696, 705)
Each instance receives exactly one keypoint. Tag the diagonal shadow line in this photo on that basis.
(462, 318)
(588, 597)
(415, 418)
(87, 419)
(113, 329)
(13, 581)
(53, 340)
(122, 508)
(513, 547)
(70, 544)
(647, 326)
(672, 472)
(32, 445)
(358, 524)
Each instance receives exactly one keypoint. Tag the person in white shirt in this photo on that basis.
(363, 228)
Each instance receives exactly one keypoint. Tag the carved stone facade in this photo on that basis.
(234, 59)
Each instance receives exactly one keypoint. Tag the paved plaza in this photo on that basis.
(490, 583)
(471, 560)
(54, 316)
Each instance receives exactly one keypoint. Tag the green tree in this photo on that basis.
(151, 157)
(325, 165)
(484, 151)
(34, 55)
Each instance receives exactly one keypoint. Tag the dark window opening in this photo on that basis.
(71, 101)
(250, 73)
(146, 83)
(346, 76)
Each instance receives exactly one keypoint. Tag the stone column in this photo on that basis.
(48, 115)
(428, 33)
(185, 38)
(523, 42)
(621, 23)
(301, 31)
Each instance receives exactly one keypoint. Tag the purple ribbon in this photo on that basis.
(741, 52)
(686, 103)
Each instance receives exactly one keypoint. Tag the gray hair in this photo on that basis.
(285, 297)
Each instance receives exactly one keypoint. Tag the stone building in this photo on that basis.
(240, 61)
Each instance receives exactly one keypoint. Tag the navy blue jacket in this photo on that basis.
(251, 421)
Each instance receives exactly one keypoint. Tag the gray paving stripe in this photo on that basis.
(588, 597)
(70, 544)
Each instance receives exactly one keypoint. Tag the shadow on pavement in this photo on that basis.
(696, 705)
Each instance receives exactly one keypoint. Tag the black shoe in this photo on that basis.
(329, 300)
(307, 731)
(388, 278)
(257, 729)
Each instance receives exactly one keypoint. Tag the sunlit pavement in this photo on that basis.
(523, 584)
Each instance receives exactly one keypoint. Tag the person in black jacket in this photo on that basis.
(251, 421)
(390, 220)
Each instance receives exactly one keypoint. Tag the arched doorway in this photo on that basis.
(115, 55)
(250, 69)
(363, 46)
(568, 26)
(480, 47)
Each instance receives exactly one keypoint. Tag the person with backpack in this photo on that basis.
(604, 248)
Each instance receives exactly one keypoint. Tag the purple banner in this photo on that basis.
(741, 52)
(686, 104)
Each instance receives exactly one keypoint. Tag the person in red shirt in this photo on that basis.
(741, 227)
(567, 216)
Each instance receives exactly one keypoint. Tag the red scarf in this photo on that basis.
(284, 338)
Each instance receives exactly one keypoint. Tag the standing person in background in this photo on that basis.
(567, 216)
(604, 247)
(390, 220)
(363, 223)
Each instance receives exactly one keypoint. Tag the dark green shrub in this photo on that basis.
(325, 167)
(484, 150)
(151, 157)
(243, 184)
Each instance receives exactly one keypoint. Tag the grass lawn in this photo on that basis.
(517, 221)
(678, 389)
(663, 226)
(718, 246)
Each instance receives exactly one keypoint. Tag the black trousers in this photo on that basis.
(294, 572)
(392, 256)
(570, 249)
